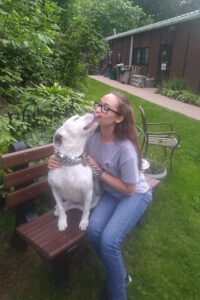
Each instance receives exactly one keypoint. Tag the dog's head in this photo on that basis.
(70, 138)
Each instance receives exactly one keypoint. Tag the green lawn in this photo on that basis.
(162, 257)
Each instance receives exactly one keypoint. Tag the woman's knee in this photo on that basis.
(109, 243)
(93, 229)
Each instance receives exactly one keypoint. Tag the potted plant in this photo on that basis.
(153, 169)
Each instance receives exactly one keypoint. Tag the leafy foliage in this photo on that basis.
(39, 112)
(5, 135)
(175, 84)
(37, 46)
(177, 89)
(107, 15)
(161, 10)
(27, 35)
(46, 41)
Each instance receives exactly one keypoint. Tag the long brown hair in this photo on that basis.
(126, 129)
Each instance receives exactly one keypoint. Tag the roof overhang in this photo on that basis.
(183, 18)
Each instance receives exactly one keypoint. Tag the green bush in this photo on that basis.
(189, 97)
(5, 134)
(41, 42)
(177, 89)
(175, 84)
(39, 111)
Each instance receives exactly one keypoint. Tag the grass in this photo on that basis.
(162, 257)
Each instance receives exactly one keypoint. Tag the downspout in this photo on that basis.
(131, 51)
(186, 52)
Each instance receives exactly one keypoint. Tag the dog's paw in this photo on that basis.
(62, 223)
(83, 225)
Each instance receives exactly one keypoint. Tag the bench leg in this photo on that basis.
(2, 204)
(58, 268)
(171, 155)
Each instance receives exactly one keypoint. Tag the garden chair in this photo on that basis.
(159, 138)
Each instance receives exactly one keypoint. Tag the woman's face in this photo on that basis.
(106, 111)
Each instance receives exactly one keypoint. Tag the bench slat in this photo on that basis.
(22, 157)
(24, 176)
(30, 192)
(46, 239)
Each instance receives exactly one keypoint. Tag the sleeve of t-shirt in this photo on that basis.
(128, 165)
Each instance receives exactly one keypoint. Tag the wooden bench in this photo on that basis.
(27, 182)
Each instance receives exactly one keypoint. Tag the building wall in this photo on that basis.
(192, 64)
(154, 52)
(122, 44)
(179, 51)
(185, 58)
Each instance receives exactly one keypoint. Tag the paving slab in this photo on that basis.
(148, 94)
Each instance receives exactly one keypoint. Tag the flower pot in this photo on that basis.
(154, 169)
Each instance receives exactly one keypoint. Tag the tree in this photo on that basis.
(190, 5)
(44, 41)
(109, 15)
(161, 10)
(28, 31)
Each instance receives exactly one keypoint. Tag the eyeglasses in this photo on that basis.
(105, 109)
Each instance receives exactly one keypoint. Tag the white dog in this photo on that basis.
(73, 182)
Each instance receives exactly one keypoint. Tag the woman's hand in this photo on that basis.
(53, 163)
(93, 161)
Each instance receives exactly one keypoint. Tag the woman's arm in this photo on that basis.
(53, 163)
(125, 188)
(115, 182)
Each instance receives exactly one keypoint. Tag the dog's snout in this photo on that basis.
(58, 138)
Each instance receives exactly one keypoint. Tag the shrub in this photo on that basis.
(175, 84)
(41, 110)
(5, 134)
(189, 97)
(176, 89)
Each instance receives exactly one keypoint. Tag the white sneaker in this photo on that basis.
(128, 279)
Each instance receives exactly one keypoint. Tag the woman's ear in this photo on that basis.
(119, 119)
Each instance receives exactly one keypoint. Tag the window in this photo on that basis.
(110, 57)
(141, 56)
(145, 56)
(119, 56)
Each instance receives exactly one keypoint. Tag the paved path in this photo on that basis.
(149, 95)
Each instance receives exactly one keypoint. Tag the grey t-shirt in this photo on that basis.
(119, 159)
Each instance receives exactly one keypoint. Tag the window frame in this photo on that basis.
(119, 54)
(142, 56)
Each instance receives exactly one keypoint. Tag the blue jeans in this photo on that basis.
(111, 220)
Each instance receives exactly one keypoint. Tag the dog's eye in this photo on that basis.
(76, 118)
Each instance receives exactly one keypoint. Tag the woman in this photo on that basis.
(114, 150)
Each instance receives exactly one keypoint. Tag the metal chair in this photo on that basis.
(159, 138)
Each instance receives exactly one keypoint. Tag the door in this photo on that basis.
(164, 61)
